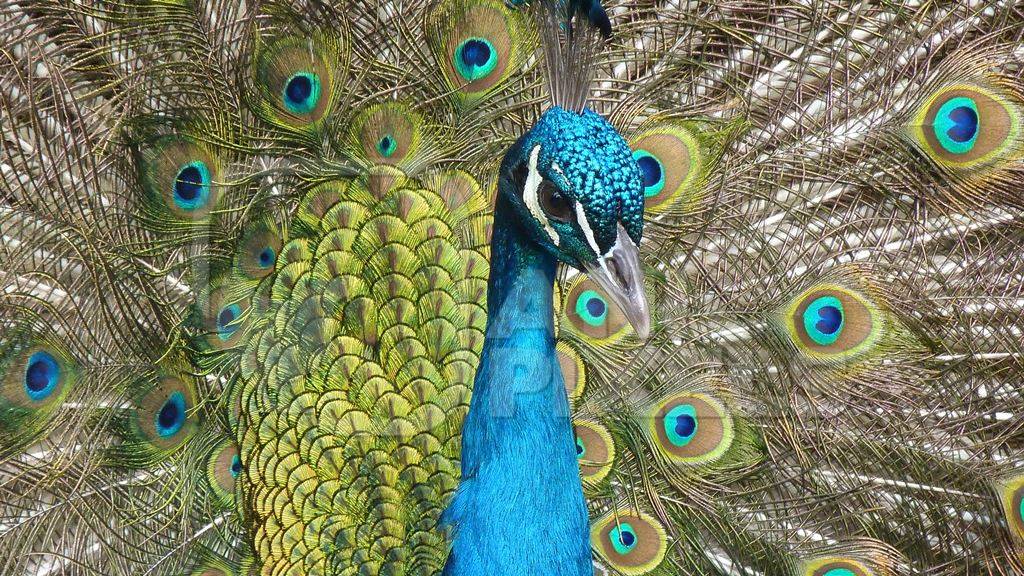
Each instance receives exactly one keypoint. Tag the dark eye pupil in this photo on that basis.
(554, 203)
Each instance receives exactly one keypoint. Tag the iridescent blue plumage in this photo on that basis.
(171, 416)
(192, 186)
(570, 191)
(302, 92)
(42, 375)
(226, 321)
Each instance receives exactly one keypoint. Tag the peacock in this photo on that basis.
(476, 287)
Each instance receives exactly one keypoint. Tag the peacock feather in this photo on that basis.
(472, 287)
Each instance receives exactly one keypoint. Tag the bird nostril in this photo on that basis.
(616, 272)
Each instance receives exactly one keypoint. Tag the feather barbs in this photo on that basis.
(631, 542)
(690, 428)
(478, 45)
(595, 451)
(963, 126)
(829, 321)
(295, 79)
(181, 177)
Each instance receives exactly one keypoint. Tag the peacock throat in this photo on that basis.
(567, 182)
(518, 457)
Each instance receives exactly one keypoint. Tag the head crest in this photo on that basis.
(570, 48)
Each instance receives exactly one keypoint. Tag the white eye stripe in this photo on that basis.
(530, 188)
(588, 232)
(581, 215)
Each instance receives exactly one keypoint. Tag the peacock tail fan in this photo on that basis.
(245, 250)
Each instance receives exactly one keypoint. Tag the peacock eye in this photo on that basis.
(556, 205)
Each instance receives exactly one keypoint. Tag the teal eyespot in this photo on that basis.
(475, 58)
(236, 466)
(387, 146)
(680, 424)
(192, 186)
(631, 542)
(595, 451)
(581, 449)
(171, 416)
(652, 171)
(839, 572)
(824, 319)
(963, 125)
(301, 92)
(623, 538)
(957, 124)
(42, 376)
(226, 321)
(267, 257)
(592, 308)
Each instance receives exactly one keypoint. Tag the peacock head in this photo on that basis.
(577, 191)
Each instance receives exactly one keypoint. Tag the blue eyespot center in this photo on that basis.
(592, 308)
(957, 125)
(623, 538)
(226, 325)
(475, 58)
(839, 572)
(236, 466)
(302, 92)
(830, 320)
(680, 424)
(267, 257)
(171, 416)
(42, 375)
(965, 124)
(685, 425)
(652, 172)
(192, 186)
(387, 146)
(824, 320)
(475, 52)
(299, 89)
(580, 448)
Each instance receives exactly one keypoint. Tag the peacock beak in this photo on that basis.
(619, 273)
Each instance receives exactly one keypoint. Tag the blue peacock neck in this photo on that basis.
(519, 508)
